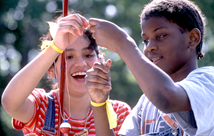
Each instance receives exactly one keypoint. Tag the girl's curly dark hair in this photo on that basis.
(92, 46)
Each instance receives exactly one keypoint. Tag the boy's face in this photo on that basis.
(165, 45)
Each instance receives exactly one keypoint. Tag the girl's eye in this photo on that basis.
(69, 57)
(89, 55)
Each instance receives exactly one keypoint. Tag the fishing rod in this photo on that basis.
(62, 75)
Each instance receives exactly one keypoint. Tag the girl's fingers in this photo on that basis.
(82, 21)
(73, 24)
(85, 21)
(66, 29)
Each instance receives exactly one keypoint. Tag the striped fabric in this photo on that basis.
(34, 126)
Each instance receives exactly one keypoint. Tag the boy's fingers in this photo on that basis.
(94, 21)
(108, 63)
(92, 29)
(101, 67)
(96, 86)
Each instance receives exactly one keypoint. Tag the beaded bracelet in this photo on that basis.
(112, 116)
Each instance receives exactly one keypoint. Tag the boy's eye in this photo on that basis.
(145, 41)
(160, 36)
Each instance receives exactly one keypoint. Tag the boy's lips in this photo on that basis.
(156, 60)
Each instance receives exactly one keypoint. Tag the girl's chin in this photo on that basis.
(78, 90)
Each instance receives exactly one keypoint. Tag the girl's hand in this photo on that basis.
(68, 29)
(98, 81)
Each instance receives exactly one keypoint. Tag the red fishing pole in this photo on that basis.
(62, 75)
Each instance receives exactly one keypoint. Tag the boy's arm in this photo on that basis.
(101, 122)
(98, 84)
(157, 85)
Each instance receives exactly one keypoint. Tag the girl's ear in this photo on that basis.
(195, 38)
(51, 72)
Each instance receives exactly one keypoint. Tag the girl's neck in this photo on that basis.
(77, 107)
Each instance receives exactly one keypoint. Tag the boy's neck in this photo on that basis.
(183, 72)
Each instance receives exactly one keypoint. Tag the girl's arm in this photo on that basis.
(15, 96)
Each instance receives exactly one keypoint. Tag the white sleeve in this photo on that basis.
(199, 86)
(131, 125)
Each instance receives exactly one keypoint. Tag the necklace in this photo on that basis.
(65, 127)
(84, 132)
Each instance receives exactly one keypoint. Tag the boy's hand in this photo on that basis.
(98, 81)
(108, 34)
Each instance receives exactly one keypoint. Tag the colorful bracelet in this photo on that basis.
(112, 116)
(46, 44)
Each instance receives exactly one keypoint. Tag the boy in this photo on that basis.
(177, 94)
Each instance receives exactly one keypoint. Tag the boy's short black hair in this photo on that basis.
(184, 13)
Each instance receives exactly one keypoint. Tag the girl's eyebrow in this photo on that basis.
(71, 49)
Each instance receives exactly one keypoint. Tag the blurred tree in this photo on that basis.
(23, 22)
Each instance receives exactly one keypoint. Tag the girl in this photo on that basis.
(36, 112)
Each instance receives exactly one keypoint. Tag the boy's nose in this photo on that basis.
(151, 46)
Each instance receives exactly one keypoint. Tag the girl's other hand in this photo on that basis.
(68, 29)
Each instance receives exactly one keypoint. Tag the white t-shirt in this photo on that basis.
(199, 85)
(146, 118)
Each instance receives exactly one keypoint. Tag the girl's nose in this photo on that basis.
(80, 63)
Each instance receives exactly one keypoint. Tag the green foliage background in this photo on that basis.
(23, 22)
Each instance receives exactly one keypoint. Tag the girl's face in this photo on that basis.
(78, 60)
(165, 44)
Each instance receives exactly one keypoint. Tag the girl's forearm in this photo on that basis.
(26, 80)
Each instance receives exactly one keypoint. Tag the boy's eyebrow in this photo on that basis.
(156, 29)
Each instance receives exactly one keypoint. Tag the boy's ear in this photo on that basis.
(51, 72)
(195, 38)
